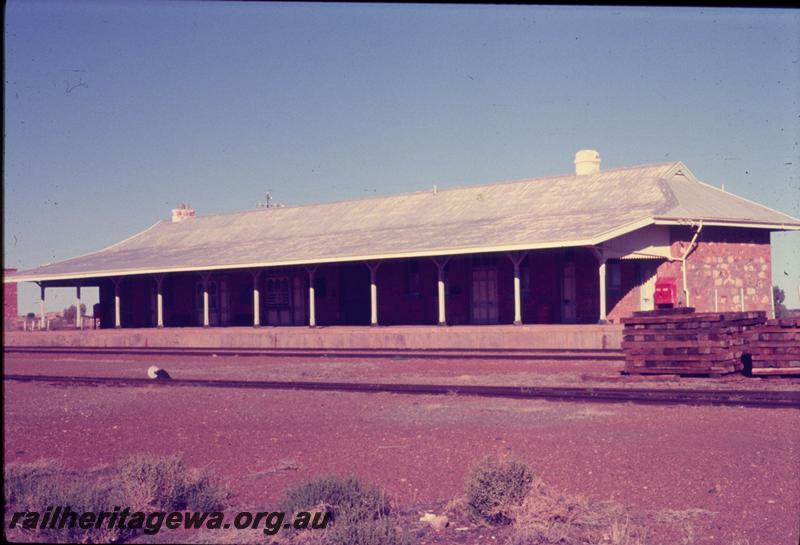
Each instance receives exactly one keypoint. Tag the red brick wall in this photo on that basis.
(396, 303)
(624, 301)
(10, 310)
(542, 303)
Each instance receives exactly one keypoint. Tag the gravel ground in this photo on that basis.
(721, 473)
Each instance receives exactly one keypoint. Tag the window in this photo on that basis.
(278, 293)
(412, 279)
(614, 276)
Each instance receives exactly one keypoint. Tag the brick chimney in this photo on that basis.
(183, 212)
(587, 161)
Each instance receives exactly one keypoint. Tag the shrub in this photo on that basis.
(24, 484)
(346, 498)
(38, 485)
(494, 487)
(359, 514)
(381, 531)
(165, 483)
(146, 483)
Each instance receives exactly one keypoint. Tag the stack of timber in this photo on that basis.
(683, 342)
(774, 347)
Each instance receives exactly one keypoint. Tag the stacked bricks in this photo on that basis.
(774, 347)
(680, 341)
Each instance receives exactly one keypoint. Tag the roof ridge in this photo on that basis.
(429, 191)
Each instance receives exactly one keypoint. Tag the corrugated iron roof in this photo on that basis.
(556, 211)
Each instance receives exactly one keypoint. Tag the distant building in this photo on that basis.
(579, 248)
(10, 308)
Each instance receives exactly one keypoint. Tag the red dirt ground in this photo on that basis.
(739, 467)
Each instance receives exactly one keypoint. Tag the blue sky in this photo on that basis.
(117, 111)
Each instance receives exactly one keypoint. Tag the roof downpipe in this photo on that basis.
(689, 248)
(587, 161)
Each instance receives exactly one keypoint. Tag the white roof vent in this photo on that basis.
(587, 161)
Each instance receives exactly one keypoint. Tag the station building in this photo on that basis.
(585, 247)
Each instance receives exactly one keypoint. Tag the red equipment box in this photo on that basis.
(666, 295)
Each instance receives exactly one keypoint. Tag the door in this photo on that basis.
(568, 309)
(224, 306)
(647, 286)
(354, 294)
(278, 301)
(484, 295)
(299, 301)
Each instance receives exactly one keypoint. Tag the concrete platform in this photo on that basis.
(501, 337)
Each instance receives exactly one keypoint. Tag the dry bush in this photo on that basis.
(165, 483)
(345, 498)
(46, 484)
(24, 484)
(359, 514)
(146, 483)
(495, 487)
(382, 531)
(549, 517)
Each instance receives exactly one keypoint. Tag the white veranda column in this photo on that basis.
(440, 287)
(78, 316)
(517, 258)
(206, 321)
(373, 291)
(41, 315)
(602, 272)
(256, 299)
(159, 300)
(117, 304)
(312, 313)
(517, 296)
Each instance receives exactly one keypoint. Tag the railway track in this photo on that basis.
(496, 353)
(741, 398)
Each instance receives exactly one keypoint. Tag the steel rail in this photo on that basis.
(443, 353)
(653, 396)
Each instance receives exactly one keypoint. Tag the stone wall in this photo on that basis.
(726, 264)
